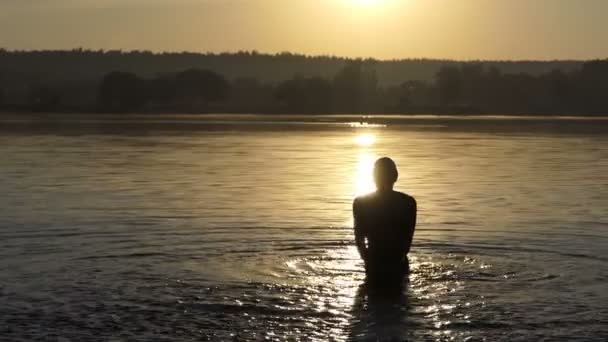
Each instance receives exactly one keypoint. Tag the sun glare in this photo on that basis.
(365, 140)
(364, 180)
(367, 2)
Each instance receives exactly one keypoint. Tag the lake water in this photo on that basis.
(180, 228)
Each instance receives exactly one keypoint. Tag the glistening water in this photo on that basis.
(179, 228)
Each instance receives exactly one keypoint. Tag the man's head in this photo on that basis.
(385, 173)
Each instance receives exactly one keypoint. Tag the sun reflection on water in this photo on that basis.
(364, 181)
(363, 178)
(365, 140)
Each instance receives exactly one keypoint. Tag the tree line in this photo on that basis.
(456, 88)
(465, 89)
(53, 66)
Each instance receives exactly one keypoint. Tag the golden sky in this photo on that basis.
(385, 29)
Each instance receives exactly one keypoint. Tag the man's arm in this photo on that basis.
(411, 226)
(359, 231)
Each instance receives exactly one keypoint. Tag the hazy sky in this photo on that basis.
(457, 29)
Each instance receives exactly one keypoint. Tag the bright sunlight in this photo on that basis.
(367, 2)
(364, 180)
(365, 140)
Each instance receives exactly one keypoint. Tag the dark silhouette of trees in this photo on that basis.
(449, 85)
(355, 88)
(252, 82)
(195, 88)
(250, 95)
(408, 97)
(43, 98)
(473, 85)
(86, 65)
(558, 90)
(205, 85)
(488, 90)
(160, 92)
(419, 93)
(121, 91)
(306, 95)
(191, 90)
(592, 85)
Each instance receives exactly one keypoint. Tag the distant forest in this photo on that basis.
(250, 82)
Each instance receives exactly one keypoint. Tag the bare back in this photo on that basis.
(384, 228)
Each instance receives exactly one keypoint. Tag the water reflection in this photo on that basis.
(364, 181)
(95, 228)
(366, 139)
(380, 314)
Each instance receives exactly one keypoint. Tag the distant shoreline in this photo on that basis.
(346, 117)
(141, 82)
(438, 111)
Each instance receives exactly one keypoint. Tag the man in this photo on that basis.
(384, 226)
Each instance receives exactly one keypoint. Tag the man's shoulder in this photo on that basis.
(363, 199)
(406, 198)
(372, 197)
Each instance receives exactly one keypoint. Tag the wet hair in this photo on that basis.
(385, 171)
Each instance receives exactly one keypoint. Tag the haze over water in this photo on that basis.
(186, 228)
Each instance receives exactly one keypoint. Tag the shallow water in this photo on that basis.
(216, 228)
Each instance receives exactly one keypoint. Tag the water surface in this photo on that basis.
(179, 228)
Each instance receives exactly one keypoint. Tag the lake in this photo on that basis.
(180, 228)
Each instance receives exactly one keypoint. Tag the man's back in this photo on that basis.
(384, 228)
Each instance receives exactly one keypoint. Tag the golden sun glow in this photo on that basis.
(365, 140)
(364, 181)
(367, 2)
(363, 178)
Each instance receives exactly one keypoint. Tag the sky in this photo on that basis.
(383, 29)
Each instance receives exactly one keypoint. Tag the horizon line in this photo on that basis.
(297, 54)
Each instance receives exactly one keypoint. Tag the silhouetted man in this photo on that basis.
(384, 226)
